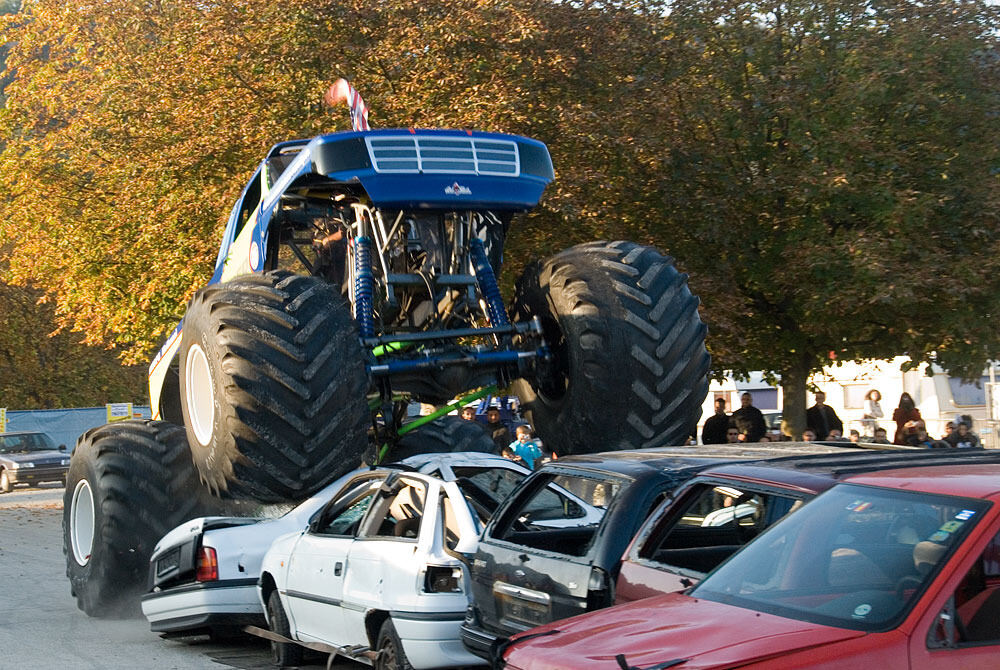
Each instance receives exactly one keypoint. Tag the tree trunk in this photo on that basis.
(793, 410)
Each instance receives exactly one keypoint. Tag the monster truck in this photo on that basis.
(358, 273)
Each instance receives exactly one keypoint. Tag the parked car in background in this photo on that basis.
(527, 571)
(889, 568)
(30, 458)
(203, 574)
(380, 568)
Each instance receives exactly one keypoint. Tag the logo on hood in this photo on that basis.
(457, 189)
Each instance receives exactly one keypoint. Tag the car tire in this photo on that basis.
(128, 484)
(390, 649)
(629, 368)
(5, 485)
(284, 654)
(272, 386)
(444, 435)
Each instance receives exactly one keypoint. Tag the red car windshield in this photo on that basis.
(856, 557)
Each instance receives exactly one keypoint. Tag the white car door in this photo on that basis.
(318, 563)
(386, 556)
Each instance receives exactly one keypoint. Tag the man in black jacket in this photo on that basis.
(822, 418)
(714, 431)
(749, 419)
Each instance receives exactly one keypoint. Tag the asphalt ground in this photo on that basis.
(41, 627)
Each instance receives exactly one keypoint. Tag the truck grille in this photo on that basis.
(462, 155)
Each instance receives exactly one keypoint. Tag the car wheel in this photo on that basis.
(447, 434)
(390, 650)
(283, 654)
(5, 485)
(272, 386)
(128, 484)
(629, 366)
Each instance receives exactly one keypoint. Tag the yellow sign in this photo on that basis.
(3, 419)
(119, 411)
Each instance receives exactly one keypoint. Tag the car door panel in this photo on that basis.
(318, 563)
(536, 565)
(383, 566)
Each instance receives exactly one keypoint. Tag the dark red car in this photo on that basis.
(896, 568)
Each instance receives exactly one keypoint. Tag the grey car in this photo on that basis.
(30, 458)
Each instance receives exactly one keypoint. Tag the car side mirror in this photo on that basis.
(62, 447)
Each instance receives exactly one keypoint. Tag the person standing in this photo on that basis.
(905, 412)
(872, 412)
(497, 429)
(714, 431)
(749, 420)
(822, 418)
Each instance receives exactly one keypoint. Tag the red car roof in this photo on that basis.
(972, 481)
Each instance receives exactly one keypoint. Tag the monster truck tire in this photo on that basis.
(272, 386)
(128, 484)
(447, 434)
(629, 366)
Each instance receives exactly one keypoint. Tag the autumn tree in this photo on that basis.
(825, 170)
(832, 181)
(42, 367)
(133, 125)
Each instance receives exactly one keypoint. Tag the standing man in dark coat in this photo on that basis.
(497, 429)
(822, 418)
(714, 431)
(749, 419)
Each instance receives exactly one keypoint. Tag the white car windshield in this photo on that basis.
(856, 557)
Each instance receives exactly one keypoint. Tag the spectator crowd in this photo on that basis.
(822, 423)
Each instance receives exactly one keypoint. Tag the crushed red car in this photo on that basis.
(889, 568)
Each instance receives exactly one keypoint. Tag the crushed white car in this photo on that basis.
(380, 573)
(204, 573)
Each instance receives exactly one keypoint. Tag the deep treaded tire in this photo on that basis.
(128, 484)
(272, 385)
(629, 365)
(447, 434)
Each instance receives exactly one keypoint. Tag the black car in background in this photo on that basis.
(31, 458)
(543, 557)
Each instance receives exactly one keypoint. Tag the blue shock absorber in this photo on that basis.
(487, 282)
(364, 286)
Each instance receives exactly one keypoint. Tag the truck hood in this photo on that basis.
(696, 633)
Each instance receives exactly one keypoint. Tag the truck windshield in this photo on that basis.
(856, 557)
(25, 442)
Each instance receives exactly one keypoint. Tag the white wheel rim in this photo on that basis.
(81, 522)
(200, 394)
